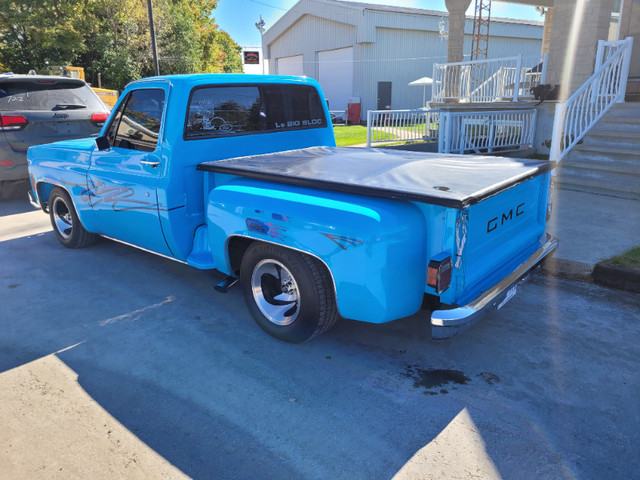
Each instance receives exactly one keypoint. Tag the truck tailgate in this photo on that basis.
(502, 231)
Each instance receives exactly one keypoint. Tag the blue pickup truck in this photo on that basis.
(241, 174)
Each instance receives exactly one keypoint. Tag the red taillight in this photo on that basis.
(99, 118)
(6, 163)
(12, 122)
(439, 273)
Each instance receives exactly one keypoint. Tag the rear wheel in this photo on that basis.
(289, 295)
(65, 222)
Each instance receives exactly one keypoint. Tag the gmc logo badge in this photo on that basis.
(493, 223)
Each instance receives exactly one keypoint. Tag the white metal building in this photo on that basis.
(373, 51)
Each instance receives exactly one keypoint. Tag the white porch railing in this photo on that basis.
(607, 86)
(488, 80)
(402, 125)
(486, 132)
(456, 132)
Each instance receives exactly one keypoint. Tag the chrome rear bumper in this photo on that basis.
(446, 323)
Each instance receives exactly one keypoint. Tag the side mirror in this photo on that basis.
(103, 143)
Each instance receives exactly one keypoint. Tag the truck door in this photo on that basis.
(123, 179)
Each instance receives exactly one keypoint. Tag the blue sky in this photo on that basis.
(238, 17)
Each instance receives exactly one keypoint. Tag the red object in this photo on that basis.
(6, 163)
(353, 113)
(439, 274)
(12, 122)
(99, 118)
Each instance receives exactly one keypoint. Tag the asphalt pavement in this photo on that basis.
(116, 363)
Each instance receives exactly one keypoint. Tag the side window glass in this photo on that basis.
(136, 125)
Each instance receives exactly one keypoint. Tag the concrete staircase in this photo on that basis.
(608, 160)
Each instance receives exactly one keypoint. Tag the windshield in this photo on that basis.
(21, 96)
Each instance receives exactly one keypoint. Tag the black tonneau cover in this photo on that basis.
(455, 181)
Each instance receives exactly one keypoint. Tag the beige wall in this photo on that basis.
(574, 39)
(546, 33)
(630, 27)
(455, 42)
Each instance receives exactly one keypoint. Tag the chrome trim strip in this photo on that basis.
(451, 321)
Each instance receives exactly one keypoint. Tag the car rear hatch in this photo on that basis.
(44, 110)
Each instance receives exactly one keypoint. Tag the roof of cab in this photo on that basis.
(195, 79)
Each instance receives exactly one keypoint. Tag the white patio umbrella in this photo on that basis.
(422, 82)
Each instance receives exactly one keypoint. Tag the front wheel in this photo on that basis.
(65, 222)
(289, 295)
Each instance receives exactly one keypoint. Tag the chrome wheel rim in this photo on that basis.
(275, 292)
(62, 218)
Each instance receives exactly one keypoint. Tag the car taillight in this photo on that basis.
(439, 272)
(9, 123)
(99, 118)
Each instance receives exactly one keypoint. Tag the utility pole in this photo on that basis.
(260, 26)
(152, 30)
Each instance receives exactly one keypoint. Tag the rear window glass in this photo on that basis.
(223, 111)
(33, 96)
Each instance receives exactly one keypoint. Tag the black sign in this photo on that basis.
(252, 58)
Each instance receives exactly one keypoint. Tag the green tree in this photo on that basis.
(111, 37)
(35, 33)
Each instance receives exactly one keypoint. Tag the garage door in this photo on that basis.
(336, 76)
(290, 66)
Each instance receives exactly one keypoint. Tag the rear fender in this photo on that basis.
(373, 248)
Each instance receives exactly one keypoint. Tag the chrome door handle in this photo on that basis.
(153, 164)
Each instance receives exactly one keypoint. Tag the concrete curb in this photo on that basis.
(617, 277)
(607, 275)
(560, 267)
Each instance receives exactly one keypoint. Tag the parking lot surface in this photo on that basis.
(118, 363)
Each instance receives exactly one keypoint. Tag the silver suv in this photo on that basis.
(36, 109)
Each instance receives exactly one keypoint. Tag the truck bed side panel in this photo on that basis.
(372, 247)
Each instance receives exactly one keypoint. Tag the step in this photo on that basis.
(618, 185)
(625, 118)
(606, 150)
(626, 106)
(623, 124)
(613, 139)
(607, 164)
(614, 130)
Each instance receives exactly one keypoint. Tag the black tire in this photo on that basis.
(307, 306)
(65, 222)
